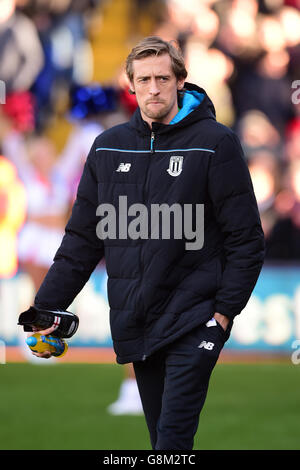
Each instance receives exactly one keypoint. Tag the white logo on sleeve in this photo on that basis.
(175, 165)
(206, 345)
(124, 167)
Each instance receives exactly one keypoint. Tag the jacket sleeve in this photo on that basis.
(236, 212)
(80, 250)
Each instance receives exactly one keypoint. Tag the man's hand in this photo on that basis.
(222, 319)
(48, 331)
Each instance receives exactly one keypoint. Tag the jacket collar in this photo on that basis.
(195, 105)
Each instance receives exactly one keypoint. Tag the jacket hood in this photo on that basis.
(194, 105)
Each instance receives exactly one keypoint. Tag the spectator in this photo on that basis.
(265, 169)
(218, 68)
(283, 242)
(12, 216)
(21, 60)
(47, 202)
(292, 142)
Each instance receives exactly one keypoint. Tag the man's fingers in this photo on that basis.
(48, 331)
(44, 355)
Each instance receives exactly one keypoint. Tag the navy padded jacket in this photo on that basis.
(157, 289)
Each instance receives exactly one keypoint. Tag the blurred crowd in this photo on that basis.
(244, 53)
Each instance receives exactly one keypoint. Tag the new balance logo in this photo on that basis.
(206, 345)
(124, 167)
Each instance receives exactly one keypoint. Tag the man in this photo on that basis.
(172, 302)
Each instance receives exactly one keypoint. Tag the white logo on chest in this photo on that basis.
(124, 167)
(175, 165)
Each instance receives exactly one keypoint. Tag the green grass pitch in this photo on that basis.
(63, 406)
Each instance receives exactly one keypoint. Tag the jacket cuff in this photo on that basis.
(221, 308)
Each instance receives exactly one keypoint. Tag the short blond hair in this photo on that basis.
(154, 45)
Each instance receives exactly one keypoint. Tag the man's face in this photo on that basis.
(156, 87)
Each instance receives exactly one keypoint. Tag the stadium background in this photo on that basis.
(62, 83)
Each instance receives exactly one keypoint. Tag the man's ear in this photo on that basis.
(180, 84)
(131, 88)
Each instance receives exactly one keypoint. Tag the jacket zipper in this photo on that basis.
(152, 142)
(152, 150)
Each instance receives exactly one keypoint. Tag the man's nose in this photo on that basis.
(154, 90)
